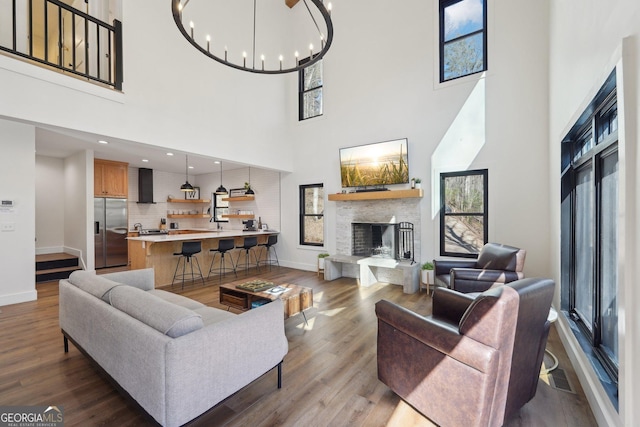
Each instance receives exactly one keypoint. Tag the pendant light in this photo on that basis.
(249, 190)
(221, 189)
(186, 187)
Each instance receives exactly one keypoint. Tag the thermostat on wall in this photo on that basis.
(6, 203)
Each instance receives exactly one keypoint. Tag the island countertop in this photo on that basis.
(198, 234)
(158, 251)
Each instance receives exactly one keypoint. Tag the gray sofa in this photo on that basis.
(174, 356)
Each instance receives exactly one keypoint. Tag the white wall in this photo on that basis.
(173, 96)
(78, 202)
(380, 83)
(266, 185)
(588, 39)
(266, 205)
(64, 205)
(383, 84)
(17, 254)
(50, 204)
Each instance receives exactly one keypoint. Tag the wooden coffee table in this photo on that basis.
(296, 300)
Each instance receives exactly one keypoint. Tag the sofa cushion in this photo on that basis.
(98, 286)
(176, 299)
(167, 318)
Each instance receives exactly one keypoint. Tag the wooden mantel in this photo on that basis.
(378, 195)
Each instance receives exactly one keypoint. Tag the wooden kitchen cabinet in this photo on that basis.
(110, 179)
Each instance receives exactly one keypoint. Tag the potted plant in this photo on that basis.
(427, 273)
(247, 189)
(418, 182)
(321, 258)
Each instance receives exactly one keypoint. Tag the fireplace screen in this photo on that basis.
(405, 241)
(381, 240)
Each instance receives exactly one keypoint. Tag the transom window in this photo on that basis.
(463, 38)
(310, 90)
(463, 212)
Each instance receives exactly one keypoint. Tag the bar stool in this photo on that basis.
(272, 239)
(249, 242)
(224, 245)
(189, 250)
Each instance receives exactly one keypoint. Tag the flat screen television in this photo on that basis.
(375, 165)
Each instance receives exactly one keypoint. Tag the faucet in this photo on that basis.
(218, 226)
(138, 227)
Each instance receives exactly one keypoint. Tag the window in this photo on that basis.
(463, 38)
(310, 92)
(312, 215)
(219, 207)
(463, 212)
(589, 228)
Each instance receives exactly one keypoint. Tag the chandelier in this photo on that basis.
(260, 38)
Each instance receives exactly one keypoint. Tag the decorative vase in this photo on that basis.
(418, 185)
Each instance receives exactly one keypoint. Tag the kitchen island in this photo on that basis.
(157, 251)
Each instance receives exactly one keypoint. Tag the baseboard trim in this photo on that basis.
(49, 250)
(299, 265)
(18, 298)
(78, 253)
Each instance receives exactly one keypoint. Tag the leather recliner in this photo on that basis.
(496, 263)
(476, 360)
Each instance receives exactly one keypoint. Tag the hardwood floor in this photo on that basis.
(329, 374)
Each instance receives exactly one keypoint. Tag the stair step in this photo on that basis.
(57, 260)
(55, 266)
(70, 269)
(55, 274)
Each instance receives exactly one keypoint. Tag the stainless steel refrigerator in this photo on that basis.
(110, 230)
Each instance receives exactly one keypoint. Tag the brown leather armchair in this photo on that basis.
(474, 361)
(496, 263)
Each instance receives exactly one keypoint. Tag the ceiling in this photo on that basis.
(64, 143)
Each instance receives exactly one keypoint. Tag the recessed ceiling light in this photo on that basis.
(102, 141)
(145, 160)
(169, 154)
(190, 167)
(217, 162)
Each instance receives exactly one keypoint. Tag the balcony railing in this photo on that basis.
(55, 34)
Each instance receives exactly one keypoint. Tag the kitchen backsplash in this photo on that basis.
(165, 184)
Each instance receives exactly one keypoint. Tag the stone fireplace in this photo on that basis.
(378, 238)
(382, 212)
(379, 212)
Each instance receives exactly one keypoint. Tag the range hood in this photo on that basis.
(145, 185)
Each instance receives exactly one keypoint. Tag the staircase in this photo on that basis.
(55, 266)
